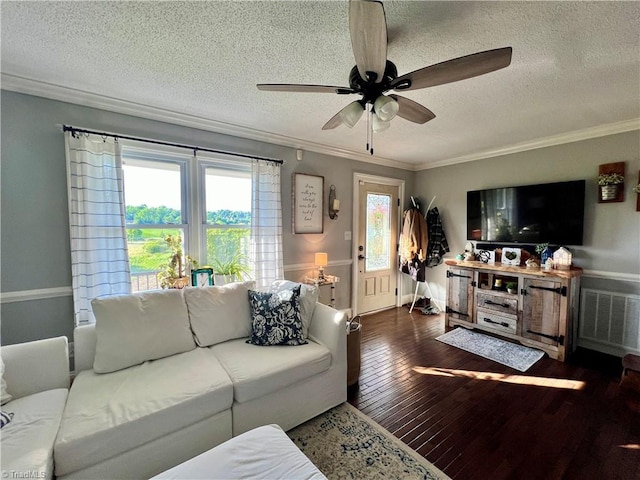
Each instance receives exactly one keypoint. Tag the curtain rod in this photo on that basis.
(67, 128)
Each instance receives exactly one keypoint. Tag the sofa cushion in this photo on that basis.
(4, 395)
(27, 442)
(271, 368)
(308, 299)
(109, 414)
(275, 318)
(131, 329)
(218, 314)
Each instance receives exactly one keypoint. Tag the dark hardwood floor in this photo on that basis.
(474, 418)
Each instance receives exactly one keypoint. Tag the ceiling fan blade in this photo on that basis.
(333, 122)
(368, 28)
(453, 70)
(413, 111)
(290, 87)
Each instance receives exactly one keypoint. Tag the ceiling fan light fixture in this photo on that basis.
(351, 113)
(386, 108)
(379, 125)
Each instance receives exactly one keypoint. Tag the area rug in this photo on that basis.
(344, 443)
(515, 356)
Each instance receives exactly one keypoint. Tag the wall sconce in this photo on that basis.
(562, 259)
(334, 203)
(321, 262)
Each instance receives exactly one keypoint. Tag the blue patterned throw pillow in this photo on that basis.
(275, 318)
(5, 418)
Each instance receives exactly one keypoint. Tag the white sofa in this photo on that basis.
(179, 379)
(37, 379)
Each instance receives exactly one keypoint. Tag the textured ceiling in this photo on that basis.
(575, 68)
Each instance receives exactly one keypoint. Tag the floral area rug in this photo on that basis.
(346, 444)
(515, 356)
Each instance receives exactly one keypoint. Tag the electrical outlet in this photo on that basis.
(72, 350)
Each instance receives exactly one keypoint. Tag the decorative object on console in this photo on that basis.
(562, 259)
(321, 261)
(543, 251)
(487, 256)
(334, 203)
(611, 182)
(511, 256)
(532, 263)
(512, 287)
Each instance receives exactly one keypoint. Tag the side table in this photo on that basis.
(329, 280)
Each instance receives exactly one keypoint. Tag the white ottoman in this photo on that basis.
(264, 452)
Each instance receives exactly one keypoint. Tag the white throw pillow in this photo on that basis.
(131, 329)
(218, 314)
(4, 395)
(308, 299)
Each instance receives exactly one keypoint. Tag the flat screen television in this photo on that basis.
(550, 212)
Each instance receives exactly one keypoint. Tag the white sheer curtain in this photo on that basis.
(266, 223)
(99, 257)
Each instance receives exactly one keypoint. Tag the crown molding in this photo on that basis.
(37, 88)
(568, 137)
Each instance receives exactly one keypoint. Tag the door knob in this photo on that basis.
(361, 257)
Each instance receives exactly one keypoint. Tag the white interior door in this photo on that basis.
(377, 237)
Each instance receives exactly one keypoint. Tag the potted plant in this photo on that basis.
(231, 269)
(175, 274)
(543, 251)
(609, 184)
(512, 287)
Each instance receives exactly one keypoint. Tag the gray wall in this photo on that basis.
(34, 222)
(611, 249)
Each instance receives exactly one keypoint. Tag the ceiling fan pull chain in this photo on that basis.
(368, 125)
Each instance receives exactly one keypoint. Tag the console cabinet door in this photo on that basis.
(541, 310)
(460, 294)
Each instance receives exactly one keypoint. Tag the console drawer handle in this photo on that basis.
(504, 324)
(490, 302)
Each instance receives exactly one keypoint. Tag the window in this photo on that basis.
(210, 210)
(227, 222)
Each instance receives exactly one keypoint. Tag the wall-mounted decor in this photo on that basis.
(511, 256)
(334, 203)
(307, 202)
(637, 190)
(611, 182)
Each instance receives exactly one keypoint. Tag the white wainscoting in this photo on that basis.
(609, 322)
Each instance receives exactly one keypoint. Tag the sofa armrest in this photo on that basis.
(36, 366)
(329, 327)
(84, 343)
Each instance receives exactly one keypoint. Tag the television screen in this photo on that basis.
(550, 212)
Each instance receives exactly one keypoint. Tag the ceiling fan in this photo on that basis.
(374, 75)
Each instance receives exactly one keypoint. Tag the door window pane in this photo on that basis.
(378, 232)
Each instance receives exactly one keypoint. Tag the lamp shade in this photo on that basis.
(351, 113)
(386, 108)
(321, 259)
(379, 125)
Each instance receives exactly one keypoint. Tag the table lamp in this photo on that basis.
(321, 262)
